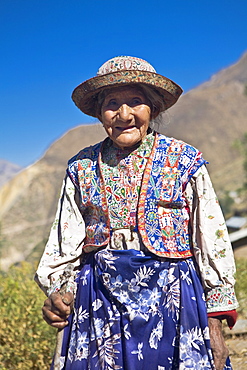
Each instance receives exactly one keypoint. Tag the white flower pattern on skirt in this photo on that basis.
(152, 310)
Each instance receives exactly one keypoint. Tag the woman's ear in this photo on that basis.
(155, 113)
(98, 114)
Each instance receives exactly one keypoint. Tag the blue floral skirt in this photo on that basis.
(135, 312)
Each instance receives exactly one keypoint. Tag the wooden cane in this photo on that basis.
(67, 273)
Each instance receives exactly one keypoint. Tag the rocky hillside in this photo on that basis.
(28, 201)
(210, 117)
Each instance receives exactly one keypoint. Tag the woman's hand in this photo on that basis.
(57, 309)
(219, 348)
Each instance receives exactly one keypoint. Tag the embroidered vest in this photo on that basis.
(162, 214)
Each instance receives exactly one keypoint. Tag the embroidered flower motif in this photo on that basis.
(138, 352)
(156, 335)
(127, 334)
(163, 278)
(219, 233)
(97, 304)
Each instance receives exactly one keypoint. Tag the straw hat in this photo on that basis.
(120, 71)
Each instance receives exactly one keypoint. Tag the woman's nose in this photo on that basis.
(125, 112)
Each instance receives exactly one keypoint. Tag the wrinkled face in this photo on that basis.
(125, 115)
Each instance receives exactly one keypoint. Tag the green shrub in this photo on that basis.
(241, 286)
(26, 341)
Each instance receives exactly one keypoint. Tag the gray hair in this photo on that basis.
(159, 114)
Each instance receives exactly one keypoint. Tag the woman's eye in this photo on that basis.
(137, 101)
(112, 102)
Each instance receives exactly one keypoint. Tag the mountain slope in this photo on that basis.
(29, 200)
(211, 117)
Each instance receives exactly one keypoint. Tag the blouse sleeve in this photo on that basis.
(211, 244)
(65, 241)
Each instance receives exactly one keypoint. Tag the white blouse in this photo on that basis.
(210, 242)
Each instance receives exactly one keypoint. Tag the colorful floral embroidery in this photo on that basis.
(223, 295)
(122, 175)
(114, 193)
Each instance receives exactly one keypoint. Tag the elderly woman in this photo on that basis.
(152, 266)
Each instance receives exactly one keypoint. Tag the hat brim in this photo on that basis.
(85, 94)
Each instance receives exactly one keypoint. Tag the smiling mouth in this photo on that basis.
(125, 128)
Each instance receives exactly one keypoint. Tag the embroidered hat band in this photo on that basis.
(119, 71)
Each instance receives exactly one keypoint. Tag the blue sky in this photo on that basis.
(48, 47)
